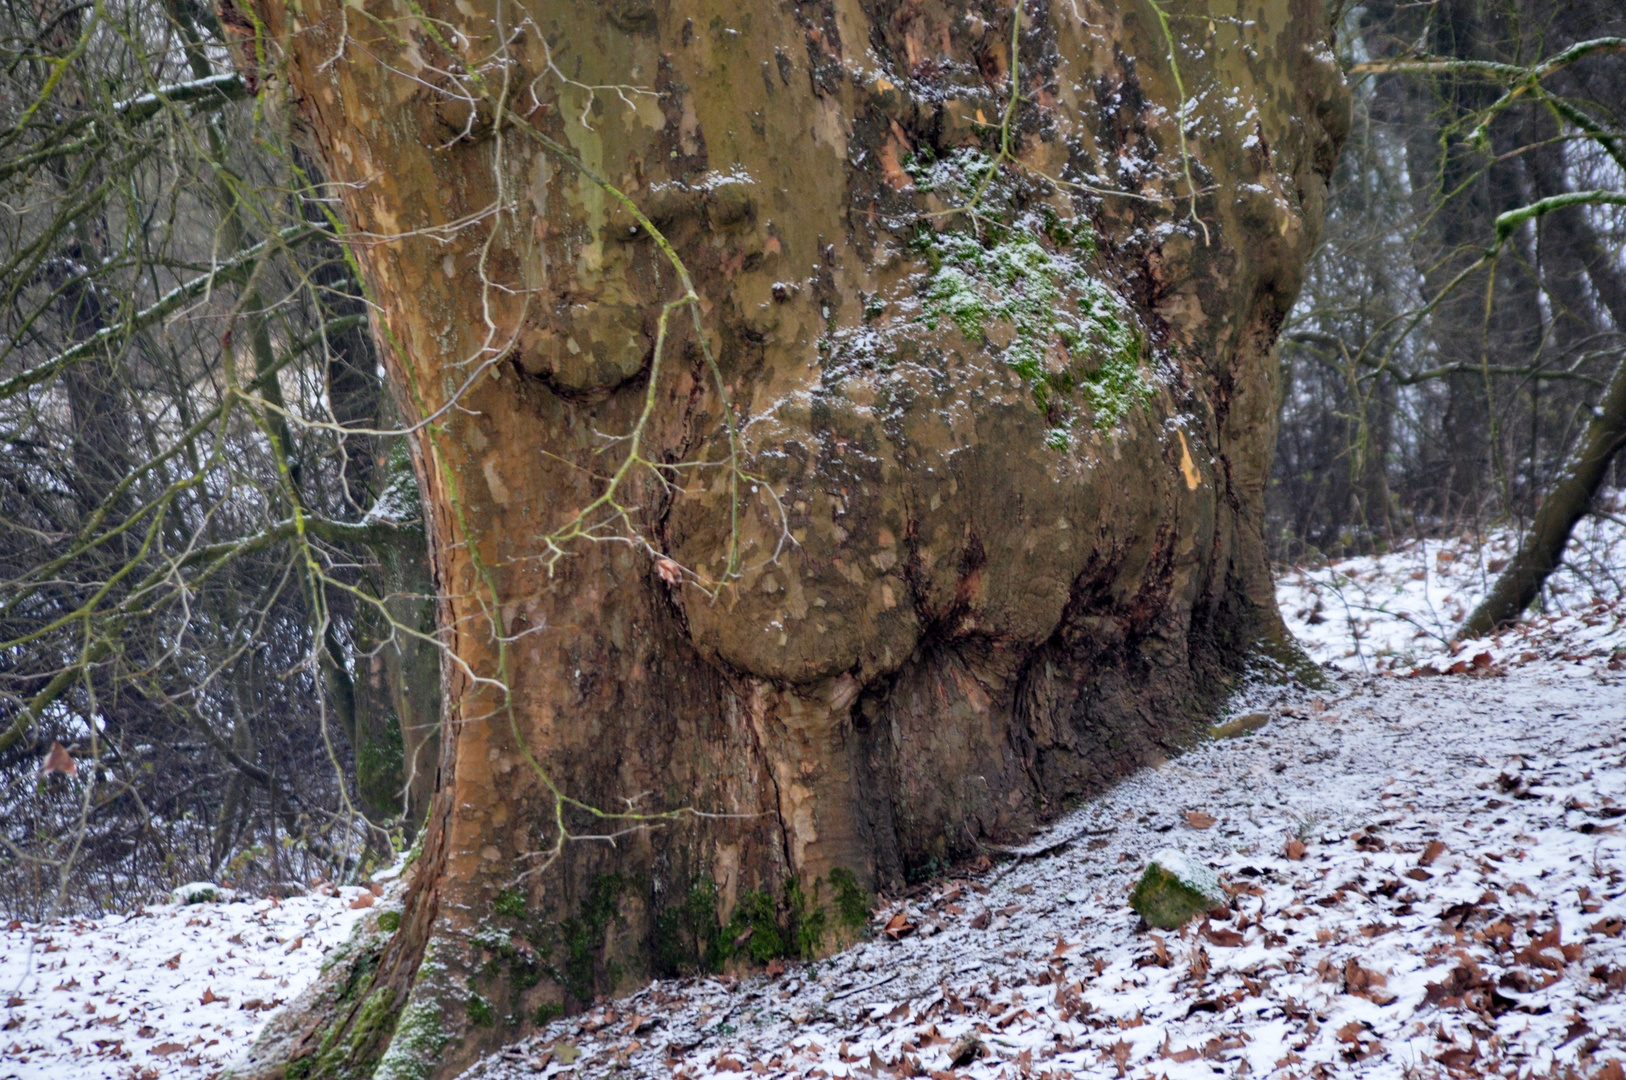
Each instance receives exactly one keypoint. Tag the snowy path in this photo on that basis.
(1457, 903)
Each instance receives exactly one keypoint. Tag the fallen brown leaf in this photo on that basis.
(1120, 1055)
(897, 926)
(1433, 851)
(1547, 951)
(1366, 983)
(1351, 1032)
(1458, 1058)
(1199, 819)
(58, 760)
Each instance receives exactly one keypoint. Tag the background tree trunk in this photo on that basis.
(1571, 496)
(398, 666)
(1583, 473)
(975, 612)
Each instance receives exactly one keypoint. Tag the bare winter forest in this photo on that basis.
(399, 402)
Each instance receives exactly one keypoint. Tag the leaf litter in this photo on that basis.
(170, 990)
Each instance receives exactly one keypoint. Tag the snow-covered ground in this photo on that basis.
(166, 991)
(1398, 611)
(1428, 878)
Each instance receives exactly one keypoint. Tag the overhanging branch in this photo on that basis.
(232, 271)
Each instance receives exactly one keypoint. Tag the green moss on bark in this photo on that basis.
(583, 936)
(852, 903)
(688, 934)
(420, 1037)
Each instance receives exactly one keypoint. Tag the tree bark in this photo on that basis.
(969, 612)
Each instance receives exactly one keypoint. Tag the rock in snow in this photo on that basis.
(1174, 889)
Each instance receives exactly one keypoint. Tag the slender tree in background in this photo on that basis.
(1461, 338)
(843, 435)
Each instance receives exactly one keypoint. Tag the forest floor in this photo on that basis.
(168, 990)
(1426, 859)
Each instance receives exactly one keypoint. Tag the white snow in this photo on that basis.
(1427, 876)
(1398, 611)
(173, 990)
(1196, 876)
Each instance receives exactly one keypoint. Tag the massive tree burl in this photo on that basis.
(1009, 419)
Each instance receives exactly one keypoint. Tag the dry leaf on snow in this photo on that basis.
(58, 760)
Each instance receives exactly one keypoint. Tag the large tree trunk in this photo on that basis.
(975, 612)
